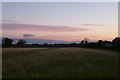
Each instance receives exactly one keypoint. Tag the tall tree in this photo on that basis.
(116, 42)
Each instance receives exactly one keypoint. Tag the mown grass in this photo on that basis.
(59, 63)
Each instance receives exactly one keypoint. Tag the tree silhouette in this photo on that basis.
(116, 42)
(7, 42)
(100, 43)
(86, 40)
(82, 42)
(21, 43)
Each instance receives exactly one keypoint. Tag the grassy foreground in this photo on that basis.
(59, 63)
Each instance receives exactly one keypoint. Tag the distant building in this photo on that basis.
(108, 45)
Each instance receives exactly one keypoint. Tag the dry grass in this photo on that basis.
(59, 63)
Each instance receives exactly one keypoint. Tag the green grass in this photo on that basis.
(59, 63)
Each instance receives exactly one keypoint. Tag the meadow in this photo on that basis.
(59, 63)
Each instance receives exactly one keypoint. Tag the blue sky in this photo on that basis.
(60, 13)
(100, 17)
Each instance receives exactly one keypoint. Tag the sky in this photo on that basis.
(68, 21)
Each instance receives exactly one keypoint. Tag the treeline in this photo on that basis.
(114, 44)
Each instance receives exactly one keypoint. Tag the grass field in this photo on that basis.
(59, 63)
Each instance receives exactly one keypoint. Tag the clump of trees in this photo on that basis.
(21, 43)
(7, 42)
(84, 43)
(115, 44)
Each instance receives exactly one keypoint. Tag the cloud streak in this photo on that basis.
(28, 35)
(7, 21)
(94, 25)
(48, 28)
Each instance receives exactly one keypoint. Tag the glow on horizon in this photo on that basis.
(98, 18)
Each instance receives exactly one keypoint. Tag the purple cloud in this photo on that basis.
(28, 27)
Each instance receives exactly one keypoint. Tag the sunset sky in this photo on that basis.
(68, 21)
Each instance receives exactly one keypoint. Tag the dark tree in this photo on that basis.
(86, 41)
(45, 44)
(100, 43)
(116, 43)
(21, 43)
(7, 42)
(82, 42)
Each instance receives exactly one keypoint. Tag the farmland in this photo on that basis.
(59, 63)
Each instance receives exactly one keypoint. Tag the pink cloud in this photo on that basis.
(59, 37)
(48, 28)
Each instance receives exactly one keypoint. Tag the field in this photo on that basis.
(59, 63)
